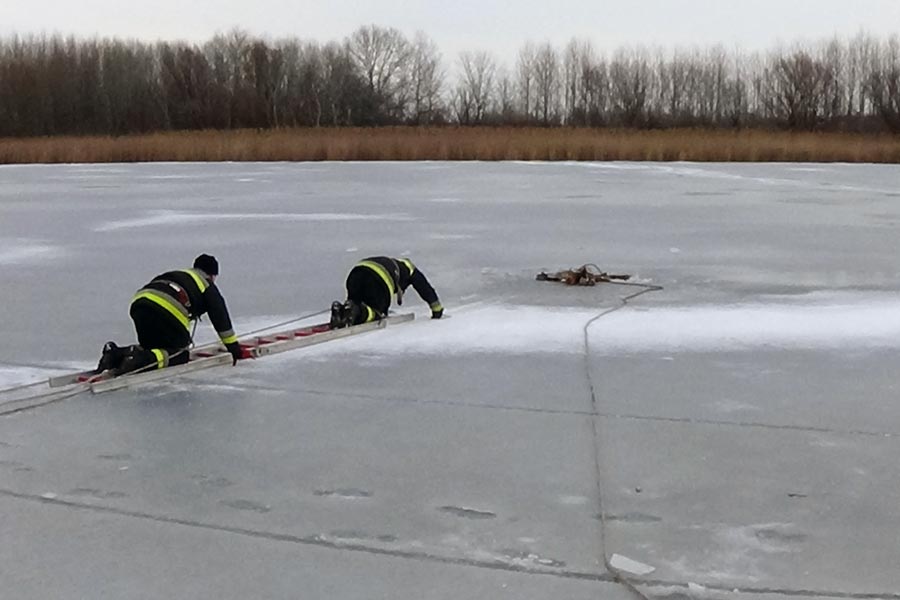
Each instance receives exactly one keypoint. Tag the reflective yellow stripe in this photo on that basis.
(162, 358)
(388, 280)
(371, 314)
(201, 283)
(436, 306)
(409, 264)
(176, 312)
(230, 339)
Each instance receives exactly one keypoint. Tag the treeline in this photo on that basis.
(51, 85)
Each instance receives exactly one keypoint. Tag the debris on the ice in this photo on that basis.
(628, 565)
(587, 274)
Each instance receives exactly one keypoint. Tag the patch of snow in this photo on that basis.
(869, 322)
(22, 251)
(16, 376)
(861, 322)
(574, 500)
(450, 236)
(173, 217)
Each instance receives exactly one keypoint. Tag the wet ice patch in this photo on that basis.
(262, 325)
(356, 535)
(175, 218)
(248, 505)
(344, 493)
(467, 513)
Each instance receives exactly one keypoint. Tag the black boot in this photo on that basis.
(356, 314)
(135, 359)
(338, 316)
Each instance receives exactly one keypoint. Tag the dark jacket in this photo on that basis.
(188, 294)
(397, 274)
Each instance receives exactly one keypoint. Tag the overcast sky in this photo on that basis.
(500, 27)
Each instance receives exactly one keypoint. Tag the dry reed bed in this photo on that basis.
(457, 143)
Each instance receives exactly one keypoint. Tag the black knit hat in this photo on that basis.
(208, 264)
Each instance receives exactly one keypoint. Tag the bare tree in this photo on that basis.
(832, 57)
(264, 71)
(382, 56)
(578, 61)
(54, 85)
(795, 85)
(884, 83)
(475, 86)
(506, 101)
(546, 79)
(347, 95)
(129, 86)
(735, 99)
(595, 91)
(861, 55)
(629, 74)
(525, 78)
(426, 79)
(184, 78)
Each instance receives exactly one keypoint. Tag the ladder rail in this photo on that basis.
(255, 348)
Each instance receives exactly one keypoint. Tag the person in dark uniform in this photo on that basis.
(162, 312)
(373, 282)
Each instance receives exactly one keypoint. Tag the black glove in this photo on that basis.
(437, 314)
(236, 352)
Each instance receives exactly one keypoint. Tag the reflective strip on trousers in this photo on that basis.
(371, 315)
(162, 358)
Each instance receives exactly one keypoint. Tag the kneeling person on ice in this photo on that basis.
(162, 312)
(372, 283)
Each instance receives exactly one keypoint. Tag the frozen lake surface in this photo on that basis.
(733, 435)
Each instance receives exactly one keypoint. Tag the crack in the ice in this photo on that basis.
(499, 565)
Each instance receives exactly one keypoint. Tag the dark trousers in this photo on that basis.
(157, 329)
(365, 286)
